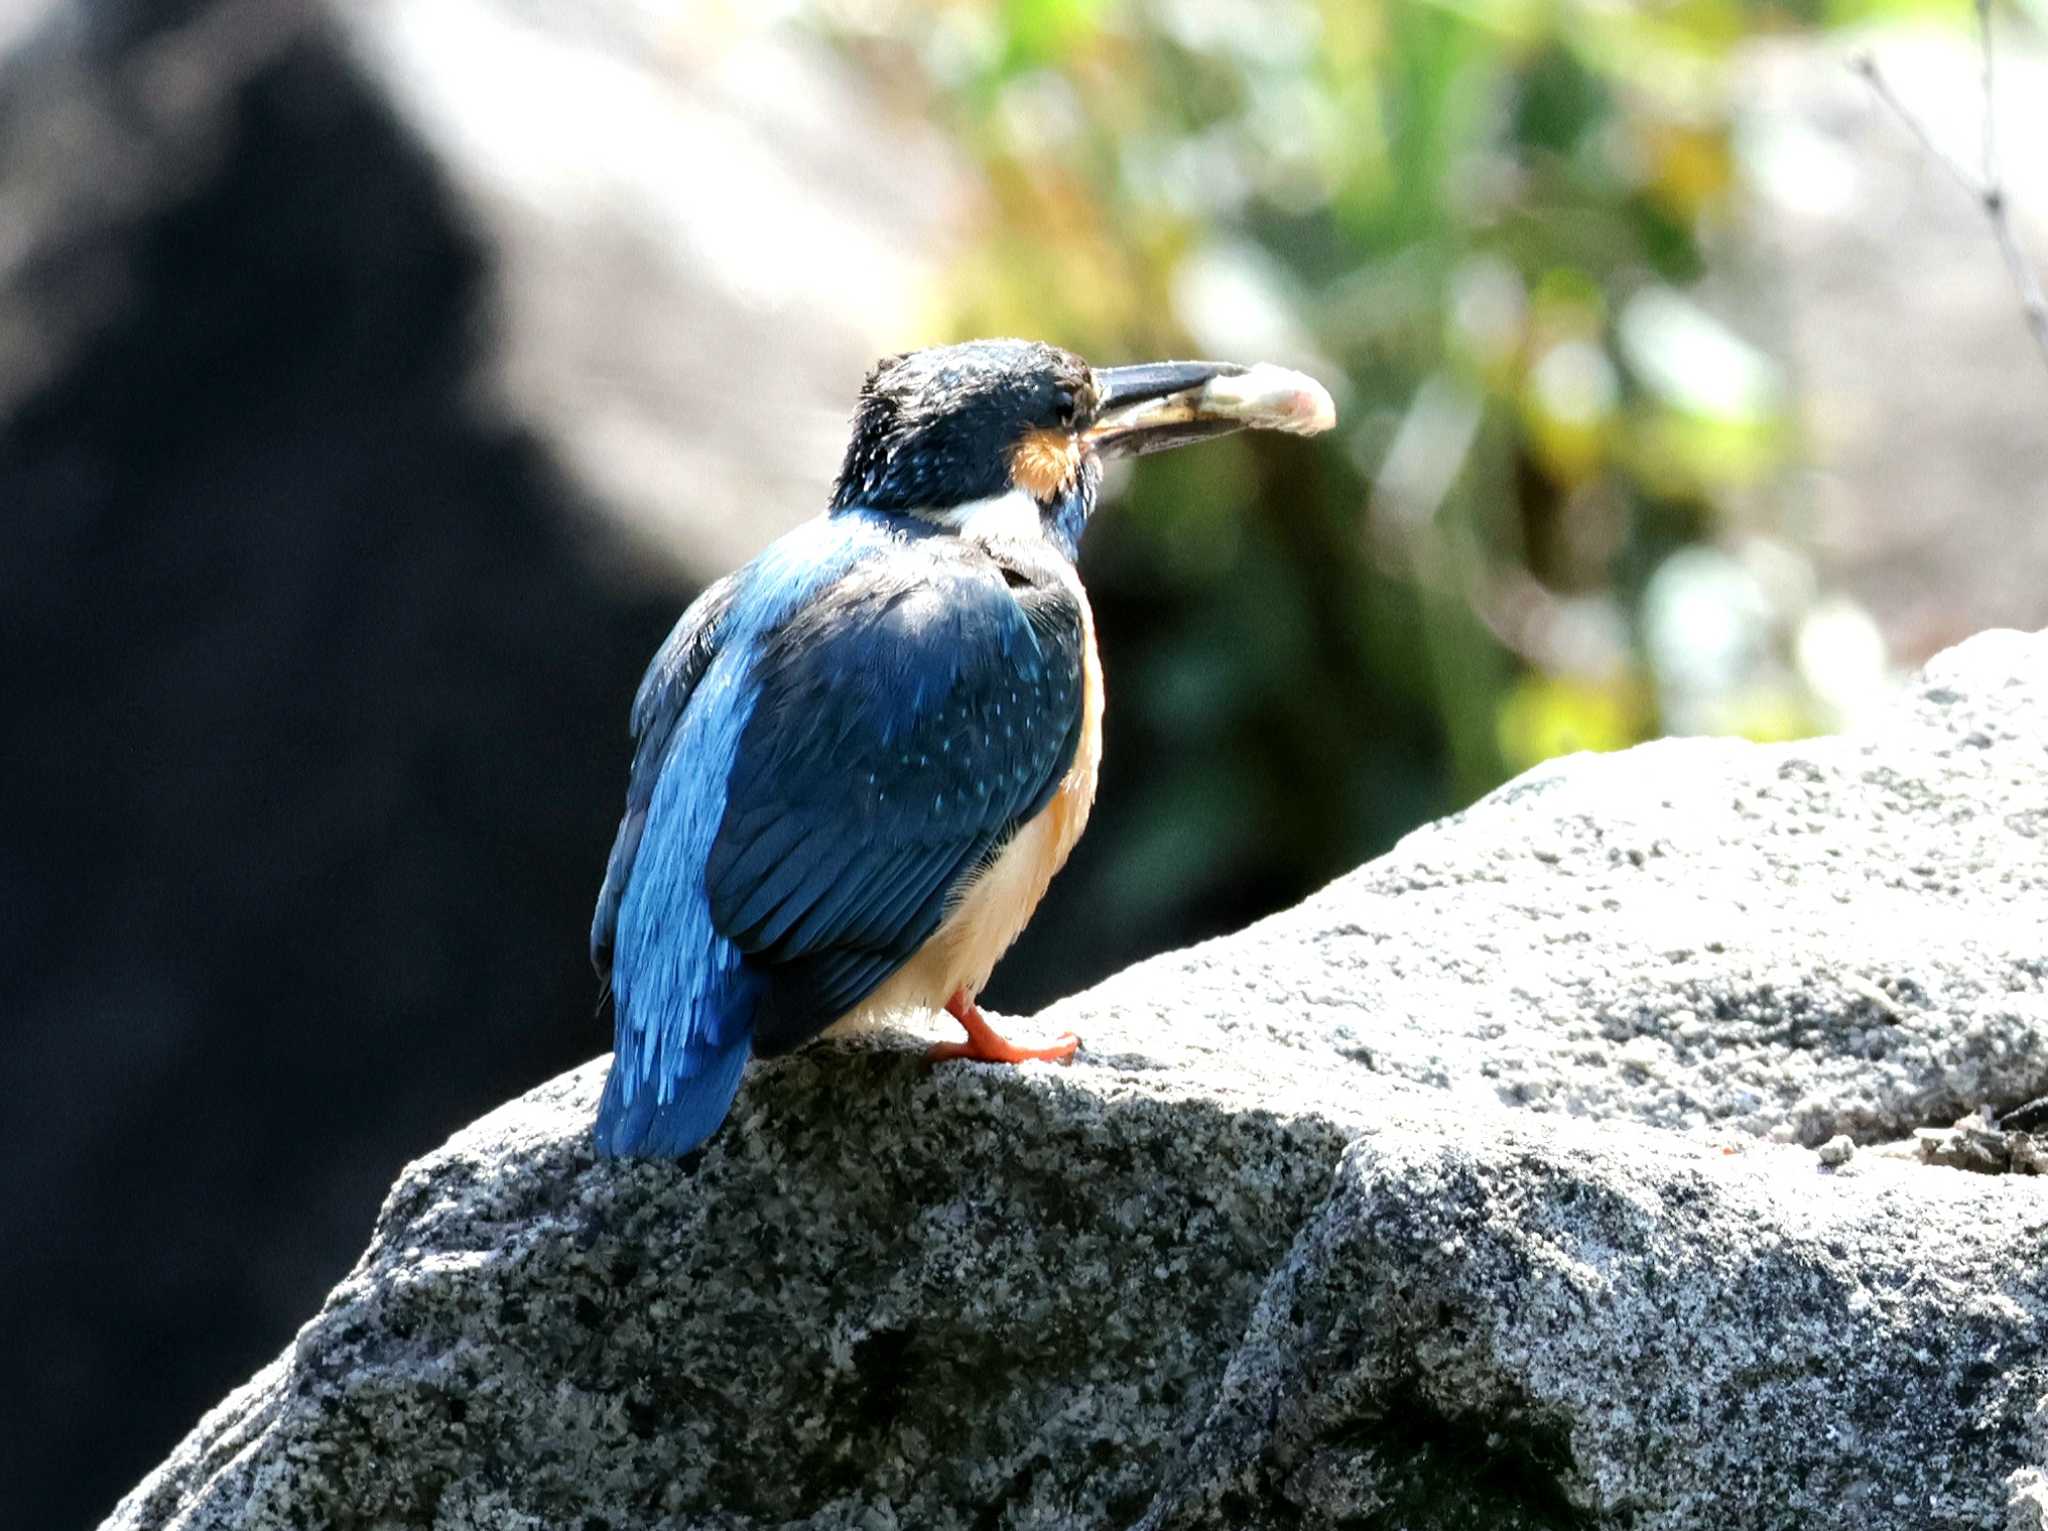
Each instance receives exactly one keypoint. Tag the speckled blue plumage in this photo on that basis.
(681, 995)
(829, 744)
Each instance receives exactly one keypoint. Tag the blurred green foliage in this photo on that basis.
(1478, 221)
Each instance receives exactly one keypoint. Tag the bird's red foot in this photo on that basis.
(984, 1045)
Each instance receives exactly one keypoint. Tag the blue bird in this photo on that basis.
(860, 759)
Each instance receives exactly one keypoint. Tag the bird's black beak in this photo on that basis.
(1161, 404)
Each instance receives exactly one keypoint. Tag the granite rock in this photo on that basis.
(1581, 1324)
(1472, 1192)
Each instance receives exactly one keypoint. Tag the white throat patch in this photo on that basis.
(1012, 516)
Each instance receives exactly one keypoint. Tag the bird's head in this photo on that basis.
(1008, 436)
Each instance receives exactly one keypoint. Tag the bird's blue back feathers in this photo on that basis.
(910, 716)
(830, 743)
(681, 997)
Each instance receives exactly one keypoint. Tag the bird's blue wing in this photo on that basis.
(907, 719)
(683, 1000)
(664, 692)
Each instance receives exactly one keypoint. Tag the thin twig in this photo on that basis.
(1990, 92)
(1984, 187)
(2024, 276)
(1866, 65)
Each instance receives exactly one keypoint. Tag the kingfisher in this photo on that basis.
(859, 760)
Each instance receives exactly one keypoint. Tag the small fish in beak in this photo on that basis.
(1166, 404)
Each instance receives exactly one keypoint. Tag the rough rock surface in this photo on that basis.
(1479, 1190)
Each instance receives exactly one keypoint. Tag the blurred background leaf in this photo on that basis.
(1536, 530)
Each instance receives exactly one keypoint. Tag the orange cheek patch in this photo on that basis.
(1044, 464)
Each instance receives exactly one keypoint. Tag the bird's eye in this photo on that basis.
(1067, 406)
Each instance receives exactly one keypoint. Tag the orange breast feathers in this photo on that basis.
(1046, 463)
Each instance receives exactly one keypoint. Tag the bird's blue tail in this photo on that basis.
(633, 1119)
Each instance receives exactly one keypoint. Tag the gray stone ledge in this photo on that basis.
(1477, 1190)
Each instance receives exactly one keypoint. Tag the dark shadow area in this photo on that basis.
(314, 744)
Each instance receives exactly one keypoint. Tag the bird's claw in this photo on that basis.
(979, 1050)
(985, 1044)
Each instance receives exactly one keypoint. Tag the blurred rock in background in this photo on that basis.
(1923, 404)
(373, 382)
